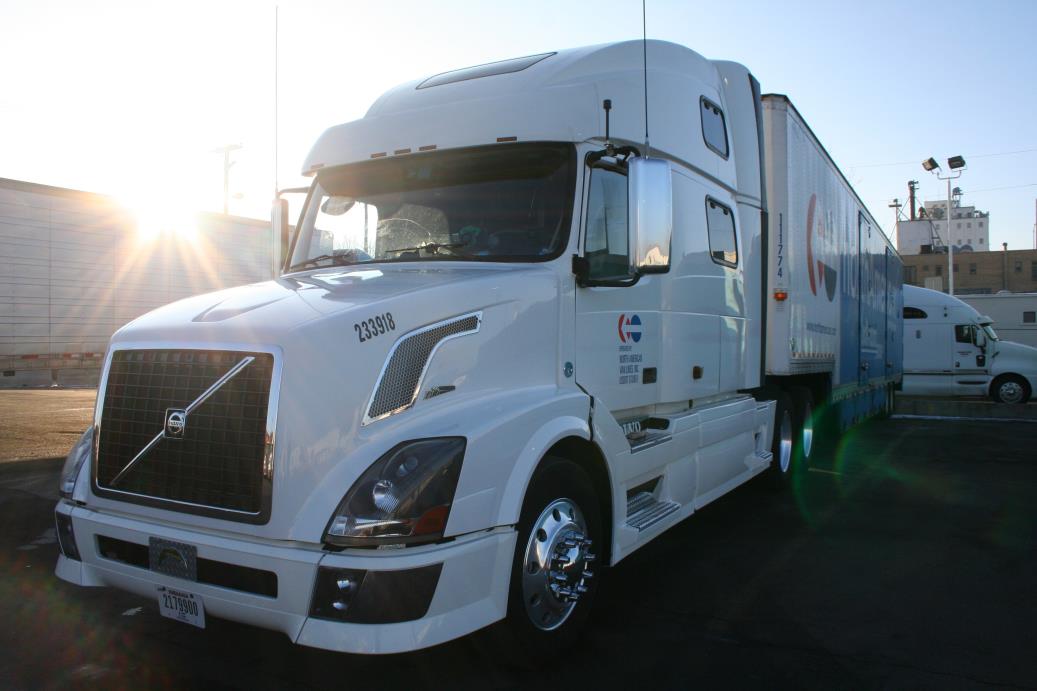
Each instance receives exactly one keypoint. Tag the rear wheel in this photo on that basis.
(783, 439)
(1010, 388)
(803, 419)
(552, 579)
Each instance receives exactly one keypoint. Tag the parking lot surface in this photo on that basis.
(905, 558)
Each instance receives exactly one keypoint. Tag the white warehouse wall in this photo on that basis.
(74, 268)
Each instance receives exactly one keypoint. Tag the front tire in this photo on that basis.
(1010, 388)
(553, 579)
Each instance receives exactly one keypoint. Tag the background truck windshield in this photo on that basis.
(509, 202)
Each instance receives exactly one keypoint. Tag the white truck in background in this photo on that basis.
(511, 344)
(950, 349)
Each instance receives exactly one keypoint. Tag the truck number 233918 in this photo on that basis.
(375, 326)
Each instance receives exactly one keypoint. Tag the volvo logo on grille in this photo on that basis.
(176, 423)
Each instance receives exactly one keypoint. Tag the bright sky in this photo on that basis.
(129, 98)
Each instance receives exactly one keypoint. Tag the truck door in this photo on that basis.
(617, 326)
(970, 362)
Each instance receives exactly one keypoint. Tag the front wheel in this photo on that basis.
(553, 576)
(1010, 388)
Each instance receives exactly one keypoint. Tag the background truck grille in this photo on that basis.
(220, 464)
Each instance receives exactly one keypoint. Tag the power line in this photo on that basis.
(911, 163)
(997, 189)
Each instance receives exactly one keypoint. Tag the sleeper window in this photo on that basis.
(720, 224)
(714, 129)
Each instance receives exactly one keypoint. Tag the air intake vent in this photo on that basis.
(400, 380)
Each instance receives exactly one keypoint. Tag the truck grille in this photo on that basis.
(220, 466)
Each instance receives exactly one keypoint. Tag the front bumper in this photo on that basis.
(471, 591)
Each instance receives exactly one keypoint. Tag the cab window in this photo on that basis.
(606, 229)
(963, 333)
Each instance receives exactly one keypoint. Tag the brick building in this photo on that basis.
(975, 273)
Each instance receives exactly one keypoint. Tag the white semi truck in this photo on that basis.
(511, 344)
(950, 349)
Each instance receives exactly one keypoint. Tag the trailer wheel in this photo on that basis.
(803, 418)
(783, 440)
(553, 579)
(1010, 388)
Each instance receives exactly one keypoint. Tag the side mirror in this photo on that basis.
(279, 233)
(979, 338)
(650, 221)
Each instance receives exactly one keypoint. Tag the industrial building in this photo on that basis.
(975, 273)
(929, 230)
(75, 266)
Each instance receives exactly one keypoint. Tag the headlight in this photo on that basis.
(403, 498)
(79, 455)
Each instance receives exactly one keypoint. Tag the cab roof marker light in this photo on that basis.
(315, 166)
(781, 295)
(427, 147)
(501, 140)
(398, 152)
(380, 154)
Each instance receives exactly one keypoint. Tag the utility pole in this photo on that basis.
(896, 206)
(227, 163)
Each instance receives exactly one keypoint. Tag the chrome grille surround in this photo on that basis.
(265, 461)
(404, 370)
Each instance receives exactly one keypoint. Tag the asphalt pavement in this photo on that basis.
(905, 558)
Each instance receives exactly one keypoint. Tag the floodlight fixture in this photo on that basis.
(930, 164)
(955, 162)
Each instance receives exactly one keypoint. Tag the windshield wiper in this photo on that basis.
(432, 247)
(336, 259)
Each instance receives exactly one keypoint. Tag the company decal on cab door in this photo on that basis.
(630, 333)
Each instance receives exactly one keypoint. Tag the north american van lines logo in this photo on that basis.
(629, 328)
(824, 274)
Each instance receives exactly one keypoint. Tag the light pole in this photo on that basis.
(227, 163)
(955, 163)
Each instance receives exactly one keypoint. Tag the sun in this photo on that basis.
(158, 218)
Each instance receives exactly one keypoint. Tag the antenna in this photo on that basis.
(607, 105)
(276, 27)
(644, 57)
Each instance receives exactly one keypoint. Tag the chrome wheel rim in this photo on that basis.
(808, 429)
(555, 566)
(785, 442)
(1010, 392)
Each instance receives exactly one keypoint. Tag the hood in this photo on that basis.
(263, 312)
(1023, 355)
(333, 331)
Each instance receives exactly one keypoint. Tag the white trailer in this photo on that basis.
(511, 345)
(1014, 315)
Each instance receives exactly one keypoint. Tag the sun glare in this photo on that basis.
(156, 219)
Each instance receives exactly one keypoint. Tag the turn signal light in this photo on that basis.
(781, 295)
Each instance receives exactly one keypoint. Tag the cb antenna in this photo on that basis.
(644, 58)
(607, 105)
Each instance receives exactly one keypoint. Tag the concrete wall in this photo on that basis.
(74, 267)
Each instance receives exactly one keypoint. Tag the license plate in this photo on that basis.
(182, 606)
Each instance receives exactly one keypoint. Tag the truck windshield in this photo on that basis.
(989, 330)
(503, 203)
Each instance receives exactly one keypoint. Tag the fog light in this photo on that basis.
(66, 537)
(333, 592)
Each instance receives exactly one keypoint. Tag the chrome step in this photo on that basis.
(644, 510)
